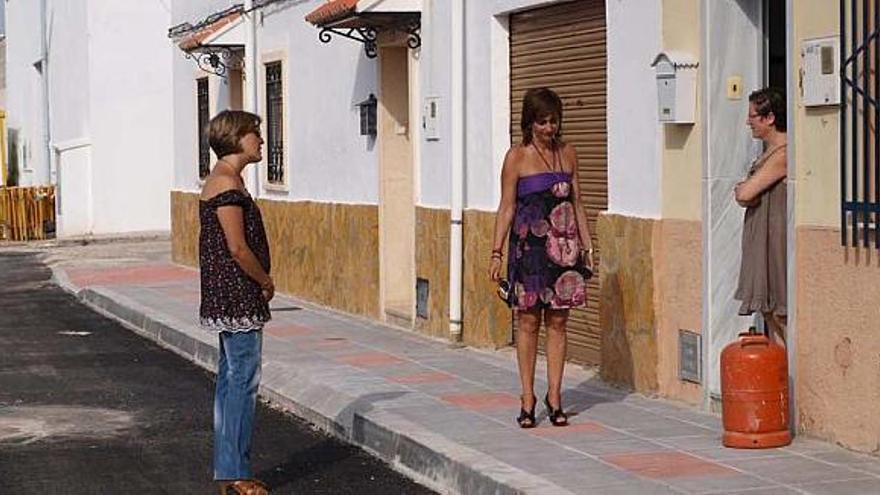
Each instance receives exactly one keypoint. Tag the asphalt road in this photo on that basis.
(87, 407)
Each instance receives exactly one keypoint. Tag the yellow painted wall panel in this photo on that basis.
(816, 130)
(683, 143)
(627, 308)
(327, 253)
(838, 370)
(487, 320)
(432, 264)
(185, 228)
(678, 278)
(322, 252)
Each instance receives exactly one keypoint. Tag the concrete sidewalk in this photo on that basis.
(445, 416)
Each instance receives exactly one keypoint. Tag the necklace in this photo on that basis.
(551, 167)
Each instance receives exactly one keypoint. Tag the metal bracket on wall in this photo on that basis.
(217, 60)
(368, 36)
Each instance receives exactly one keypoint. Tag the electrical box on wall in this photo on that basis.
(676, 87)
(821, 71)
(431, 118)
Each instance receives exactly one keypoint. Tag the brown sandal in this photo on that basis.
(244, 487)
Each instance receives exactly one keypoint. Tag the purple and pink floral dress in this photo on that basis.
(545, 269)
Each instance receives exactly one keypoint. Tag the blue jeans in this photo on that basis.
(235, 401)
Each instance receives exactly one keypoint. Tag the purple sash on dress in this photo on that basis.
(540, 182)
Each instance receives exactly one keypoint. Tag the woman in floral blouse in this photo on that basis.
(549, 245)
(235, 293)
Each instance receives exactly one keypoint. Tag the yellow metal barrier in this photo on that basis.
(3, 172)
(25, 212)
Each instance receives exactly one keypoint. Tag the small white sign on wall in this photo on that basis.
(821, 71)
(431, 118)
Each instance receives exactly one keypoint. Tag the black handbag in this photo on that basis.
(505, 292)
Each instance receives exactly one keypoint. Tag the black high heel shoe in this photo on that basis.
(557, 417)
(526, 419)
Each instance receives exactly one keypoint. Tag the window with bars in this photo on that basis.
(274, 123)
(859, 122)
(204, 116)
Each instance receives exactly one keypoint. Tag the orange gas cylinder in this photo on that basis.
(754, 393)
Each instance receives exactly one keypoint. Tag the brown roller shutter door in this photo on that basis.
(563, 47)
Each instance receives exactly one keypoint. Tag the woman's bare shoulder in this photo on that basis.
(568, 150)
(515, 156)
(517, 151)
(218, 183)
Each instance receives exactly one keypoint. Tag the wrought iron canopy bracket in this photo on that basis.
(217, 59)
(365, 35)
(369, 34)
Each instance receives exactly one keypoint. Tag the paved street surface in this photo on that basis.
(442, 414)
(89, 407)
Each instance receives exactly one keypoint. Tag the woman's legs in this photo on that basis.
(235, 400)
(775, 326)
(554, 322)
(527, 353)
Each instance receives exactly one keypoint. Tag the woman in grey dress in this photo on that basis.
(762, 279)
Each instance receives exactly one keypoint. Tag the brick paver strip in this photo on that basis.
(482, 401)
(663, 465)
(136, 275)
(370, 359)
(426, 377)
(287, 330)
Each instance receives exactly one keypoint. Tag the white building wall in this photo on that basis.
(184, 75)
(634, 135)
(435, 173)
(110, 107)
(69, 92)
(634, 146)
(327, 158)
(23, 88)
(131, 109)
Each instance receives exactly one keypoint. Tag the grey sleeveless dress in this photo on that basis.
(762, 277)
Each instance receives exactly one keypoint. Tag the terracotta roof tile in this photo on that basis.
(331, 11)
(195, 40)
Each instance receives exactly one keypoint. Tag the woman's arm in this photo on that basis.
(570, 155)
(506, 209)
(770, 173)
(231, 219)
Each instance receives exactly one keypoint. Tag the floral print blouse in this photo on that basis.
(231, 301)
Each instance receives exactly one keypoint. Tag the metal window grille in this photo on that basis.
(859, 122)
(204, 116)
(274, 123)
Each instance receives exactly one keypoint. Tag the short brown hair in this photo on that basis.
(227, 128)
(770, 100)
(537, 104)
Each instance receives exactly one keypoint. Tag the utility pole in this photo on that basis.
(50, 174)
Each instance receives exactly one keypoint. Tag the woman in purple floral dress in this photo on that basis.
(549, 245)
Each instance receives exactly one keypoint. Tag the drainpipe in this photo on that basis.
(250, 77)
(44, 82)
(458, 136)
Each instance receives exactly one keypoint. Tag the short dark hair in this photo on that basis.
(539, 103)
(770, 100)
(227, 128)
